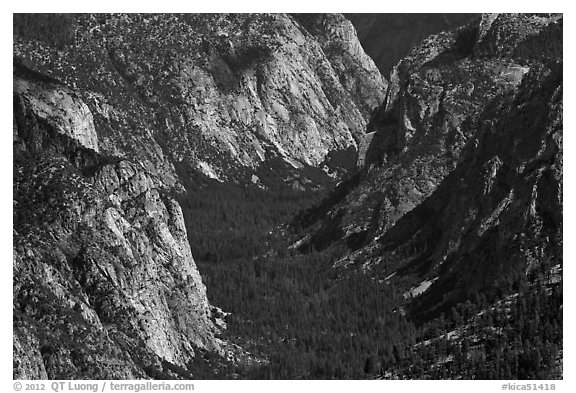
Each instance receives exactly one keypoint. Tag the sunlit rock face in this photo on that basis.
(222, 93)
(59, 107)
(103, 272)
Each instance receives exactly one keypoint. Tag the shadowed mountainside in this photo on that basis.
(387, 38)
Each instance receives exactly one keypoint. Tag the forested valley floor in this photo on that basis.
(306, 319)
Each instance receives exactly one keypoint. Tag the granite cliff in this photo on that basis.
(222, 94)
(105, 285)
(442, 100)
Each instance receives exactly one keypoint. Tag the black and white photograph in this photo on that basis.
(287, 196)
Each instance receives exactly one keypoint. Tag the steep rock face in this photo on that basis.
(357, 72)
(387, 38)
(218, 93)
(498, 216)
(105, 285)
(439, 97)
(75, 119)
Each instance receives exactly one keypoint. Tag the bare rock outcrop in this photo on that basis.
(497, 218)
(221, 94)
(105, 285)
(437, 101)
(74, 119)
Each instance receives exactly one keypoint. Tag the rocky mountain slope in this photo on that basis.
(458, 204)
(388, 38)
(105, 285)
(111, 114)
(222, 94)
(498, 215)
(452, 175)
